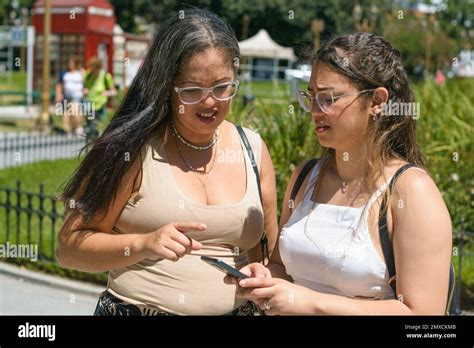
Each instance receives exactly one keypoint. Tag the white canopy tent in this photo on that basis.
(261, 47)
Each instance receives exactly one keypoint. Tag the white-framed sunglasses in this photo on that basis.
(324, 100)
(194, 95)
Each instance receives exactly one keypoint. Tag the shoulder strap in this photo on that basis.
(245, 141)
(301, 176)
(247, 146)
(387, 246)
(452, 306)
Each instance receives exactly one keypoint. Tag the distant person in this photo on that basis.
(440, 78)
(69, 92)
(98, 87)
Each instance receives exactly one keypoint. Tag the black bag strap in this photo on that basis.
(245, 141)
(300, 179)
(387, 248)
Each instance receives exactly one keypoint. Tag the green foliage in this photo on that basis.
(6, 8)
(445, 131)
(288, 22)
(415, 36)
(286, 130)
(457, 18)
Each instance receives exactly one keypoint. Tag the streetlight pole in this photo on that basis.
(45, 97)
(24, 22)
(317, 26)
(245, 26)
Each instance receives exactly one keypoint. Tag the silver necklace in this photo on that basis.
(191, 145)
(192, 168)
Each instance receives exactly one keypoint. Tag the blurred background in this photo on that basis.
(40, 143)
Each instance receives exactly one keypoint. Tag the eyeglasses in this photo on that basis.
(324, 100)
(195, 95)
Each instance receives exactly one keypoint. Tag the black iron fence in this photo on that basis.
(35, 218)
(21, 148)
(30, 218)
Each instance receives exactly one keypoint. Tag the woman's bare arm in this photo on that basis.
(93, 247)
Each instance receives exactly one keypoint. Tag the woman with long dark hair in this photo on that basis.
(154, 193)
(368, 232)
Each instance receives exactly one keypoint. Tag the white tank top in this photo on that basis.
(334, 254)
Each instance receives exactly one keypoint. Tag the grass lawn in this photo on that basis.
(22, 228)
(16, 84)
(268, 89)
(50, 173)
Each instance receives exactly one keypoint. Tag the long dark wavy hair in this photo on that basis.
(369, 61)
(145, 107)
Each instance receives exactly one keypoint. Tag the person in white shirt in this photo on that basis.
(69, 92)
(329, 258)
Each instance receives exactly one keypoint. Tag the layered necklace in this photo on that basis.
(179, 137)
(191, 145)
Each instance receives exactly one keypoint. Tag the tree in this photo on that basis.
(421, 41)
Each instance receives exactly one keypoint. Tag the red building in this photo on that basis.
(83, 28)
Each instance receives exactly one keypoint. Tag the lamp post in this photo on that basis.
(43, 121)
(245, 26)
(24, 14)
(317, 26)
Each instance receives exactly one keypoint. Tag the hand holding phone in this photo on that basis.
(255, 269)
(224, 267)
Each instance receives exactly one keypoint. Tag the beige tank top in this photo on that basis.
(188, 286)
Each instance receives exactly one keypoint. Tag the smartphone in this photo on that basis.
(224, 267)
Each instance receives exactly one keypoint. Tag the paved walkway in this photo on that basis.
(24, 292)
